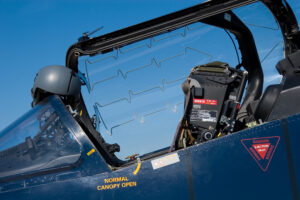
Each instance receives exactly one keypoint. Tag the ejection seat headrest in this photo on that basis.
(267, 102)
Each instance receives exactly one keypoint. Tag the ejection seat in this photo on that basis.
(281, 100)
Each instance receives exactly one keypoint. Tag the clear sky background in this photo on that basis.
(38, 33)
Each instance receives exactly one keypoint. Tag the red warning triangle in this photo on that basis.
(261, 149)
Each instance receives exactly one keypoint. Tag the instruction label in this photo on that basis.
(116, 183)
(203, 115)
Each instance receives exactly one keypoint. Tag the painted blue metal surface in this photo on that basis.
(222, 168)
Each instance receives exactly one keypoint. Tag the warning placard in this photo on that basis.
(261, 149)
(205, 101)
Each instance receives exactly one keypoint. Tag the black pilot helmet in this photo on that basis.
(56, 79)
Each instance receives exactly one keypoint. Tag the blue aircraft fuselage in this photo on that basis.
(259, 163)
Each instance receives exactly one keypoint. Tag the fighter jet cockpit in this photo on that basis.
(180, 86)
(201, 100)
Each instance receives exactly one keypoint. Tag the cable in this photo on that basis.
(236, 51)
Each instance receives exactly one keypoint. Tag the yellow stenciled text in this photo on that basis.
(115, 183)
(129, 184)
(115, 179)
(108, 187)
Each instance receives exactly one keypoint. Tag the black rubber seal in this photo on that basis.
(189, 174)
(290, 159)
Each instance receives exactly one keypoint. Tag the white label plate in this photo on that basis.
(165, 161)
